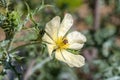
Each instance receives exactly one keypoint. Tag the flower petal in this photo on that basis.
(52, 27)
(65, 25)
(69, 58)
(47, 39)
(76, 37)
(50, 49)
(75, 46)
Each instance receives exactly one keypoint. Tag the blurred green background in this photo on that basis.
(99, 20)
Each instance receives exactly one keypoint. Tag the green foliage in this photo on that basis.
(102, 35)
(70, 5)
(10, 23)
(3, 3)
(24, 53)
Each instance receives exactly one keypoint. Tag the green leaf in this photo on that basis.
(108, 31)
(73, 51)
(106, 47)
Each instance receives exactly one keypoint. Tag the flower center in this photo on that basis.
(61, 43)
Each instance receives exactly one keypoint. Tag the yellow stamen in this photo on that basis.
(61, 43)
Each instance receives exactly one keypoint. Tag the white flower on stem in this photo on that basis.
(58, 40)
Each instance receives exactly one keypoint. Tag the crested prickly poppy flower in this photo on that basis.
(58, 40)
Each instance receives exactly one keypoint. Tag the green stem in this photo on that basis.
(9, 62)
(32, 19)
(30, 43)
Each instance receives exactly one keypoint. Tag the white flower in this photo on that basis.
(58, 40)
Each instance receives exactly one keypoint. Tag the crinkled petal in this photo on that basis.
(75, 46)
(65, 25)
(69, 58)
(47, 39)
(50, 49)
(52, 27)
(76, 37)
